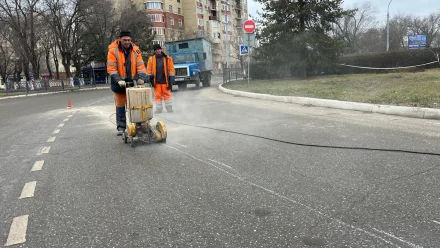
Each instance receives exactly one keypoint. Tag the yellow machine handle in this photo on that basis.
(144, 117)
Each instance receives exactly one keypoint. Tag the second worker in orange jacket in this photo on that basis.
(160, 69)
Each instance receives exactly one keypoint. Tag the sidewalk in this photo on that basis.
(20, 94)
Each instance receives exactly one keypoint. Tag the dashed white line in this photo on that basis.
(61, 125)
(397, 238)
(45, 149)
(225, 165)
(56, 131)
(69, 116)
(51, 139)
(17, 233)
(28, 190)
(38, 165)
(65, 119)
(180, 145)
(436, 222)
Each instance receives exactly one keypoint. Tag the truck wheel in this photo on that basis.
(197, 83)
(207, 80)
(182, 86)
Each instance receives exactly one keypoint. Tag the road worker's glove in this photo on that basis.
(122, 83)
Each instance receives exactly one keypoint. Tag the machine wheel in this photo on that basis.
(124, 137)
(182, 86)
(132, 141)
(207, 80)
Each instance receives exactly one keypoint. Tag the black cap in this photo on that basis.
(124, 33)
(156, 47)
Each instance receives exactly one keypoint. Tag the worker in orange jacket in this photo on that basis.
(124, 65)
(160, 69)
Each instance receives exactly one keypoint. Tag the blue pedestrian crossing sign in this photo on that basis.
(244, 50)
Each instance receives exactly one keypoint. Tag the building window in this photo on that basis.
(158, 31)
(153, 5)
(216, 35)
(199, 10)
(214, 24)
(225, 7)
(199, 1)
(180, 23)
(157, 18)
(225, 18)
(226, 37)
(160, 42)
(172, 21)
(178, 11)
(178, 1)
(200, 22)
(171, 8)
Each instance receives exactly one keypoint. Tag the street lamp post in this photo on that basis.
(388, 26)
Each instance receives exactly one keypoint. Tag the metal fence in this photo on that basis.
(231, 74)
(45, 85)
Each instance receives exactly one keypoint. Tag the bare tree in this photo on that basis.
(20, 16)
(65, 18)
(352, 26)
(429, 26)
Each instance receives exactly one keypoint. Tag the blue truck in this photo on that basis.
(192, 61)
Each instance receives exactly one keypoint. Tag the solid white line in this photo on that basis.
(225, 165)
(38, 165)
(61, 125)
(56, 131)
(51, 139)
(436, 222)
(69, 116)
(28, 190)
(180, 145)
(397, 238)
(289, 199)
(17, 233)
(66, 119)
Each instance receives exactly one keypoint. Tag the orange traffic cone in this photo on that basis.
(69, 104)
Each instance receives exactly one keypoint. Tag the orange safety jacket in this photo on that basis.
(170, 73)
(118, 68)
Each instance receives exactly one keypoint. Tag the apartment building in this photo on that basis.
(219, 21)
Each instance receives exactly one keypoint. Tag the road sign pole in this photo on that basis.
(249, 57)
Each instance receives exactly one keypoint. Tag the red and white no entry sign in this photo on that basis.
(249, 26)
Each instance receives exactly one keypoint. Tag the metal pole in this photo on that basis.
(249, 57)
(388, 26)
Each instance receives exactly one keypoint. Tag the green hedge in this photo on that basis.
(386, 60)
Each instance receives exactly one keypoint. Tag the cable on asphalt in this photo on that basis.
(304, 144)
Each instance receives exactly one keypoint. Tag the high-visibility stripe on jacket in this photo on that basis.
(116, 62)
(168, 62)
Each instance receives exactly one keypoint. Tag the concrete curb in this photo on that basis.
(55, 92)
(413, 112)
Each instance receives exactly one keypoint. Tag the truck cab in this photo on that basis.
(192, 62)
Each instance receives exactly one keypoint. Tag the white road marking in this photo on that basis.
(56, 131)
(38, 165)
(437, 222)
(289, 199)
(61, 125)
(45, 149)
(69, 116)
(17, 233)
(65, 119)
(28, 190)
(225, 165)
(397, 238)
(51, 139)
(180, 145)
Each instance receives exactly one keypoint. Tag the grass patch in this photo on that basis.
(421, 89)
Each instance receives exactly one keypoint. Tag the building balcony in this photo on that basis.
(213, 18)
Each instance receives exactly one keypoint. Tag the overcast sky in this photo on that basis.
(415, 7)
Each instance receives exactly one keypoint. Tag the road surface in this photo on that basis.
(235, 172)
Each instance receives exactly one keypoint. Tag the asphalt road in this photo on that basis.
(212, 184)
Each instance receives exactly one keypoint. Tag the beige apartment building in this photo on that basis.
(219, 21)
